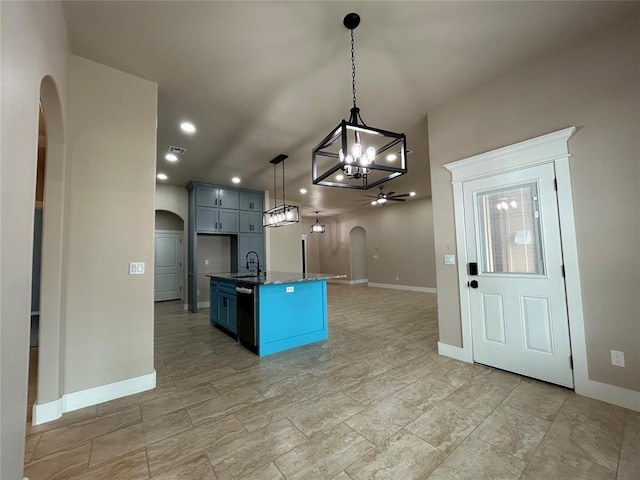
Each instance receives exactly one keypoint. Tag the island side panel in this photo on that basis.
(289, 319)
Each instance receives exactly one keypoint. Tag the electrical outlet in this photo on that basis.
(617, 358)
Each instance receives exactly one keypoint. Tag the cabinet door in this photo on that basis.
(228, 220)
(213, 303)
(250, 201)
(232, 312)
(206, 219)
(250, 222)
(246, 243)
(245, 222)
(223, 310)
(206, 196)
(227, 198)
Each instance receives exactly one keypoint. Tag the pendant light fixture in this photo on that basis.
(284, 214)
(355, 155)
(317, 227)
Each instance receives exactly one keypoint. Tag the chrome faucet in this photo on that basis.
(257, 261)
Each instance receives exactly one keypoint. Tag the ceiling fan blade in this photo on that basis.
(389, 194)
(395, 199)
(401, 195)
(371, 196)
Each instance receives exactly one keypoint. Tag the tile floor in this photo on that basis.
(375, 401)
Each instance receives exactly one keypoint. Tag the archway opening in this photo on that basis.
(358, 255)
(168, 281)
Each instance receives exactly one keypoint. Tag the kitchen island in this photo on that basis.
(270, 312)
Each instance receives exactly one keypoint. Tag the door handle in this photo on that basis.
(473, 284)
(473, 268)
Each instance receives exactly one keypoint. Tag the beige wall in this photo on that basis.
(34, 44)
(112, 160)
(313, 248)
(594, 85)
(284, 244)
(401, 235)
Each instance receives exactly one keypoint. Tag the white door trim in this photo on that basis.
(550, 148)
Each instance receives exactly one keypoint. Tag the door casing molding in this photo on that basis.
(549, 148)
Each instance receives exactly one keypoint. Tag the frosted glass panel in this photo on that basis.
(509, 229)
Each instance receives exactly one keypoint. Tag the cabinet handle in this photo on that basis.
(216, 226)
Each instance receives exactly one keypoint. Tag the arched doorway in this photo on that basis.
(358, 255)
(168, 256)
(49, 370)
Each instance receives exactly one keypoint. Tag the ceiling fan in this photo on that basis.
(382, 198)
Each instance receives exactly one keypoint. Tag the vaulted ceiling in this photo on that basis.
(268, 77)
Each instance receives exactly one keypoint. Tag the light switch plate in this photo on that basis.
(136, 268)
(449, 259)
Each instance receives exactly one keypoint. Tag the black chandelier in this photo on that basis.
(317, 227)
(280, 215)
(355, 155)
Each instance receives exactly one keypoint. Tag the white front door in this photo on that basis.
(168, 266)
(518, 304)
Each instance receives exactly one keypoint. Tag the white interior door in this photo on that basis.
(168, 266)
(518, 305)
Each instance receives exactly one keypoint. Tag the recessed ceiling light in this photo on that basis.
(172, 157)
(303, 191)
(412, 194)
(391, 157)
(162, 176)
(339, 177)
(188, 127)
(235, 179)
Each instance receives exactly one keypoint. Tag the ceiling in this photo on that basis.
(263, 78)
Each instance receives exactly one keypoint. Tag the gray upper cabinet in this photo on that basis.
(228, 198)
(250, 222)
(251, 200)
(206, 219)
(219, 210)
(227, 220)
(206, 196)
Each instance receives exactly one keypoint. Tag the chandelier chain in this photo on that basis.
(353, 71)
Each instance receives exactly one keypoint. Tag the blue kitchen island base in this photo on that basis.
(276, 311)
(291, 315)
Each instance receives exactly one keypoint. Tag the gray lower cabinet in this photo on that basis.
(223, 307)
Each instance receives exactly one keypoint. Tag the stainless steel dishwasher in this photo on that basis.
(246, 315)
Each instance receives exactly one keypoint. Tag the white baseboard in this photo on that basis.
(185, 306)
(348, 282)
(457, 353)
(403, 287)
(47, 412)
(622, 397)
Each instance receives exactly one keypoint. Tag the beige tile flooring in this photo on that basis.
(375, 401)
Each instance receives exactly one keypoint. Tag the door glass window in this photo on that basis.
(509, 230)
